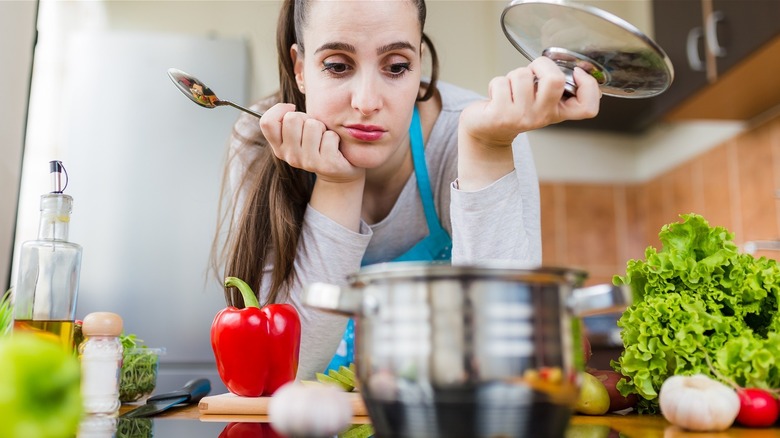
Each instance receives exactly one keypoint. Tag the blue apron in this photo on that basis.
(437, 246)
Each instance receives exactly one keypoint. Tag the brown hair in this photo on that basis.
(264, 223)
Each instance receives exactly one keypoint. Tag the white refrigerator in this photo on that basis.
(145, 167)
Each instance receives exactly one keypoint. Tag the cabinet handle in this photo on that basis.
(692, 49)
(712, 33)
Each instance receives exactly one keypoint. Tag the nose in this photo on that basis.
(367, 96)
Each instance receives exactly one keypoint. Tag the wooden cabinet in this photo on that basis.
(725, 54)
(679, 31)
(739, 28)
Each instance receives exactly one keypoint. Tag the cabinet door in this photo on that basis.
(740, 27)
(678, 23)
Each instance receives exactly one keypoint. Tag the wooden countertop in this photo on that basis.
(631, 425)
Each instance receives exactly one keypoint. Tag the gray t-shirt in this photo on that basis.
(498, 222)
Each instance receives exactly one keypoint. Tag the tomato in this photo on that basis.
(757, 408)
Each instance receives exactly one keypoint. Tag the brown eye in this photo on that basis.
(400, 68)
(335, 67)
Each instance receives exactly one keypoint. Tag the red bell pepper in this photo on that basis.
(256, 349)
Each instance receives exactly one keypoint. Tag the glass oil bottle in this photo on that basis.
(47, 283)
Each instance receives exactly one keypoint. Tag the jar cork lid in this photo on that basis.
(102, 324)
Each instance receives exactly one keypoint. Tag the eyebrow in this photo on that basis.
(351, 49)
(337, 46)
(395, 46)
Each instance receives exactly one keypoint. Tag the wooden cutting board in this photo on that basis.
(231, 404)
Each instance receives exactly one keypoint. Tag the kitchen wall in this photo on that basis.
(600, 226)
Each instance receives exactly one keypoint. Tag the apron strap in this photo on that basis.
(421, 173)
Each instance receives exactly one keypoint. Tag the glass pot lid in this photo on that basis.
(624, 61)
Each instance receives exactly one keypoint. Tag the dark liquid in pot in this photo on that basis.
(461, 415)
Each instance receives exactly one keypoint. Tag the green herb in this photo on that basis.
(139, 369)
(699, 299)
(134, 428)
(130, 341)
(6, 313)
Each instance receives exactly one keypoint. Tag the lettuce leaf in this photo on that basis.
(698, 301)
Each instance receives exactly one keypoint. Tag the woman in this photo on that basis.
(358, 160)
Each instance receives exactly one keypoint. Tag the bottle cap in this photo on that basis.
(102, 324)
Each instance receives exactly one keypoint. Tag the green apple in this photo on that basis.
(593, 398)
(40, 392)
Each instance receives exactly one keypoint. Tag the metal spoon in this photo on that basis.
(199, 93)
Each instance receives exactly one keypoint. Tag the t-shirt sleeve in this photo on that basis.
(500, 221)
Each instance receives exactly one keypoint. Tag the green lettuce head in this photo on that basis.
(699, 306)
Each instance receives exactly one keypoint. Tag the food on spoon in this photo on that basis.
(698, 403)
(696, 299)
(593, 398)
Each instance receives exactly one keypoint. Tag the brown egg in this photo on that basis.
(102, 324)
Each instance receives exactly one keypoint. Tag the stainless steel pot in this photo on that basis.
(467, 351)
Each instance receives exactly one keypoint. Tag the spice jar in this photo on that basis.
(101, 363)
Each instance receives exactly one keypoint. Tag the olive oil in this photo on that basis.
(47, 281)
(58, 331)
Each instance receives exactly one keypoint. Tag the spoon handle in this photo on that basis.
(246, 110)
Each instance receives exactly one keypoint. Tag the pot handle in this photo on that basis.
(600, 299)
(332, 298)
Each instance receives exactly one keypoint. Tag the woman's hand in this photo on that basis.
(305, 143)
(527, 98)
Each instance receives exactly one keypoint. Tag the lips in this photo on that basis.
(365, 132)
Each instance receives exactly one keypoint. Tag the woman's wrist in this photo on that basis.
(340, 201)
(480, 164)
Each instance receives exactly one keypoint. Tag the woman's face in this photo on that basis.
(361, 73)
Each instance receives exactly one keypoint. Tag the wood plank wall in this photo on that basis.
(599, 227)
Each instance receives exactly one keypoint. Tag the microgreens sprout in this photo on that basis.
(139, 369)
(134, 428)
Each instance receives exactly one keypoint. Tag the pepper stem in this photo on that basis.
(250, 300)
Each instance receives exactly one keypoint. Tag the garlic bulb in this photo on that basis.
(698, 403)
(296, 409)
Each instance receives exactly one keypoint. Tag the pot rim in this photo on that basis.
(494, 270)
